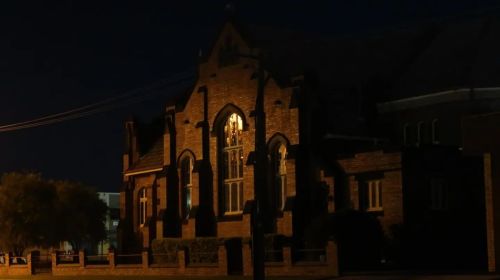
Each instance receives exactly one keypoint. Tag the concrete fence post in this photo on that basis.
(332, 258)
(112, 261)
(287, 257)
(145, 259)
(29, 264)
(222, 259)
(181, 258)
(81, 258)
(53, 260)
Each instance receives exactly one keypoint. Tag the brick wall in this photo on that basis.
(327, 267)
(10, 269)
(385, 167)
(228, 85)
(233, 85)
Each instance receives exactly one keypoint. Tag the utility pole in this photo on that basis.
(260, 175)
(260, 170)
(205, 221)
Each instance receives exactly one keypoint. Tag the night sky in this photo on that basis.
(56, 56)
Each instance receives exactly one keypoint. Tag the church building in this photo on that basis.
(380, 143)
(192, 172)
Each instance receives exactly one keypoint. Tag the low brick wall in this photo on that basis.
(10, 269)
(142, 268)
(329, 267)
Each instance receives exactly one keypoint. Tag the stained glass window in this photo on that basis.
(374, 196)
(186, 183)
(280, 176)
(143, 200)
(232, 159)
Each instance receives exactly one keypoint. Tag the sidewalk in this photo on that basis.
(379, 276)
(410, 276)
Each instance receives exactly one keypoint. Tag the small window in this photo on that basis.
(438, 194)
(187, 186)
(420, 133)
(232, 162)
(143, 200)
(374, 193)
(435, 131)
(280, 176)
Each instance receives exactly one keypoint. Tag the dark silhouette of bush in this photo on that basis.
(360, 239)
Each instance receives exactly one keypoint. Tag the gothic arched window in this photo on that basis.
(143, 200)
(279, 165)
(186, 185)
(232, 164)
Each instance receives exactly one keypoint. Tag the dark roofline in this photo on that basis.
(180, 100)
(237, 26)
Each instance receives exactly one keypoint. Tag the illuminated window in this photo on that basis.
(374, 196)
(232, 161)
(435, 138)
(279, 158)
(143, 200)
(186, 183)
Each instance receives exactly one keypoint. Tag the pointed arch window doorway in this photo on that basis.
(143, 202)
(280, 176)
(187, 185)
(232, 161)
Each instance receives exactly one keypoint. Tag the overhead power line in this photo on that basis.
(128, 98)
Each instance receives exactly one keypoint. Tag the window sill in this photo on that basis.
(281, 212)
(376, 211)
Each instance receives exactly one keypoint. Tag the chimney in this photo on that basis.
(131, 153)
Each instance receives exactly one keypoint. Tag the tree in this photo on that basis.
(26, 208)
(38, 213)
(81, 213)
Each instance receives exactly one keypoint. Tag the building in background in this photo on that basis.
(112, 200)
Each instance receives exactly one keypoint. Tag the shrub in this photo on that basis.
(202, 250)
(165, 250)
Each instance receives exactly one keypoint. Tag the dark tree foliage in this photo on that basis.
(360, 239)
(38, 213)
(26, 207)
(81, 214)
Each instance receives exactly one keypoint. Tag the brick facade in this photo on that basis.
(193, 127)
(385, 168)
(229, 88)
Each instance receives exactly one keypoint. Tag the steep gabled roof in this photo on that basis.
(463, 54)
(149, 145)
(152, 159)
(354, 72)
